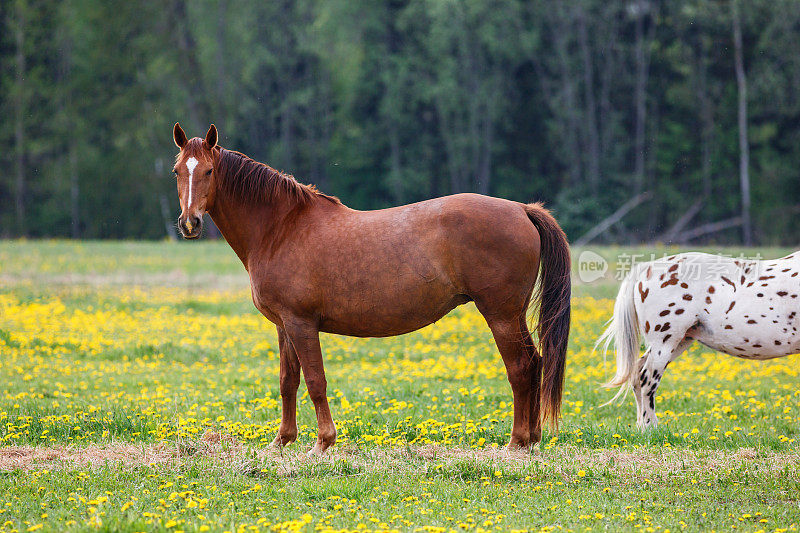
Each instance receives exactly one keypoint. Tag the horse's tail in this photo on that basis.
(623, 331)
(553, 296)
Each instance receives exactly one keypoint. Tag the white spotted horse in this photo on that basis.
(745, 308)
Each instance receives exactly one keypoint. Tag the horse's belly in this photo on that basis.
(386, 319)
(761, 324)
(749, 343)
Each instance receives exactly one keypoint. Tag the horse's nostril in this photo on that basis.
(190, 226)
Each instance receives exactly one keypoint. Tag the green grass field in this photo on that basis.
(139, 391)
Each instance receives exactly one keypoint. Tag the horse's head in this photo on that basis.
(194, 169)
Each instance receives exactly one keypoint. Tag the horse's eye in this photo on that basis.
(175, 171)
(208, 172)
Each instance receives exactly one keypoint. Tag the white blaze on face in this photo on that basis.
(190, 164)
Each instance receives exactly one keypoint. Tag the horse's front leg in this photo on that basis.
(290, 380)
(304, 336)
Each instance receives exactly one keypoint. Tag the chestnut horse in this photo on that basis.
(316, 265)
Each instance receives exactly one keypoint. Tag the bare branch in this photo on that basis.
(681, 223)
(711, 227)
(613, 219)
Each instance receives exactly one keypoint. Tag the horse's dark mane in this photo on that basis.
(254, 182)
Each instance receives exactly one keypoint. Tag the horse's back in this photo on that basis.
(458, 233)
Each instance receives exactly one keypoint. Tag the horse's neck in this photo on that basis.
(232, 224)
(248, 227)
(245, 225)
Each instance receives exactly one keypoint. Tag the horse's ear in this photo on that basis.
(179, 136)
(211, 138)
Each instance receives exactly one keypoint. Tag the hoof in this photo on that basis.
(321, 446)
(519, 444)
(318, 450)
(281, 441)
(647, 426)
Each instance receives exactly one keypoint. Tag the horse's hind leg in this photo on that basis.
(523, 368)
(649, 371)
(637, 387)
(535, 372)
(290, 381)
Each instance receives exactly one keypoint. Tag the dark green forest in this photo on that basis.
(686, 112)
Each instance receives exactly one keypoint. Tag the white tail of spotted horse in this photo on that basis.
(745, 308)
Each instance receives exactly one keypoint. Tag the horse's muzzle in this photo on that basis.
(191, 227)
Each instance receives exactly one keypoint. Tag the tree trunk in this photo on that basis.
(74, 192)
(287, 130)
(744, 150)
(640, 95)
(570, 103)
(592, 135)
(169, 226)
(472, 160)
(484, 171)
(706, 118)
(447, 128)
(189, 65)
(559, 92)
(323, 148)
(654, 122)
(19, 120)
(395, 172)
(222, 78)
(319, 132)
(609, 59)
(69, 128)
(392, 98)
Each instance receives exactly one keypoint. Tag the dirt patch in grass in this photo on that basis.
(222, 452)
(213, 445)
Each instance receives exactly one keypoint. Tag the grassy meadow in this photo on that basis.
(139, 392)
